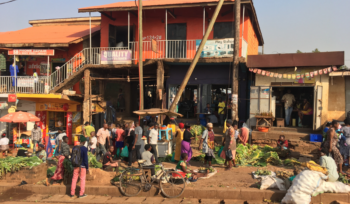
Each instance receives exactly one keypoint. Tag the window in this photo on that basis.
(224, 30)
(259, 100)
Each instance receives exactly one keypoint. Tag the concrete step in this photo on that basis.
(257, 135)
(293, 129)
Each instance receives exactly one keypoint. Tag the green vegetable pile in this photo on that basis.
(51, 171)
(253, 155)
(344, 179)
(68, 171)
(291, 162)
(262, 172)
(93, 161)
(13, 164)
(166, 159)
(197, 130)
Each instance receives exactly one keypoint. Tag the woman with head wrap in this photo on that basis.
(331, 145)
(186, 143)
(229, 151)
(208, 144)
(178, 138)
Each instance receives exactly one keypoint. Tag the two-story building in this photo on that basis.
(172, 31)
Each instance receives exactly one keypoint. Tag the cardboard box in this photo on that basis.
(280, 122)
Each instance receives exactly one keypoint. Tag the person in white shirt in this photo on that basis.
(93, 142)
(4, 144)
(153, 140)
(59, 141)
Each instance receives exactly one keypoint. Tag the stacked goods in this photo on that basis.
(254, 155)
(93, 161)
(12, 164)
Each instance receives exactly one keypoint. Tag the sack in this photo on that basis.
(76, 156)
(228, 154)
(271, 182)
(125, 152)
(332, 187)
(220, 150)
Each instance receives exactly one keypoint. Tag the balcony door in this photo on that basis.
(176, 40)
(118, 36)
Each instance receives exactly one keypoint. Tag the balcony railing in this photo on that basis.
(165, 49)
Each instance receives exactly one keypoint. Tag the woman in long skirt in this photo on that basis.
(179, 137)
(186, 143)
(230, 144)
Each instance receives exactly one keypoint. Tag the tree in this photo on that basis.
(315, 51)
(298, 51)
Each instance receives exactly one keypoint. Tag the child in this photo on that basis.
(149, 158)
(93, 142)
(108, 162)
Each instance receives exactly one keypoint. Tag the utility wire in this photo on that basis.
(7, 2)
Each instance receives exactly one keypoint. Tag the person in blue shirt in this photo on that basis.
(83, 169)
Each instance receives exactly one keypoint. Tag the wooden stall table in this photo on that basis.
(267, 119)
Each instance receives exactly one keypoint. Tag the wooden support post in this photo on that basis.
(86, 104)
(196, 57)
(235, 81)
(160, 87)
(140, 56)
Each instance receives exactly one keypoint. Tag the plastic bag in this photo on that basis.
(220, 150)
(125, 152)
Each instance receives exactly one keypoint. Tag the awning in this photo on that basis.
(46, 36)
(46, 98)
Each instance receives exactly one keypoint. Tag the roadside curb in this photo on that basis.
(245, 194)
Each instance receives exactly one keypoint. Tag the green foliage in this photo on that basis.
(298, 51)
(262, 172)
(344, 179)
(165, 159)
(93, 161)
(51, 171)
(253, 155)
(290, 162)
(315, 50)
(13, 164)
(197, 130)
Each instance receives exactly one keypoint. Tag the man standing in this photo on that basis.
(36, 137)
(221, 111)
(83, 169)
(138, 140)
(87, 130)
(102, 134)
(4, 144)
(153, 140)
(288, 100)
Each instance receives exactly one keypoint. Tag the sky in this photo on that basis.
(286, 25)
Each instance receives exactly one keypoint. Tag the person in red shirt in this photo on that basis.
(119, 138)
(282, 143)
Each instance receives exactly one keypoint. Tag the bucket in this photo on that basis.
(173, 127)
(294, 122)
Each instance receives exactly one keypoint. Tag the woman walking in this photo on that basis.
(58, 175)
(186, 143)
(345, 145)
(229, 151)
(208, 144)
(179, 137)
(331, 144)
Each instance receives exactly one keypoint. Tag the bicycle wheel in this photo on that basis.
(172, 184)
(130, 184)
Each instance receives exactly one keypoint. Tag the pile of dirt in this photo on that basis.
(99, 177)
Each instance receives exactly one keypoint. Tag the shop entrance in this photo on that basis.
(303, 107)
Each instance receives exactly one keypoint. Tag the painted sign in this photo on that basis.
(3, 105)
(12, 98)
(34, 65)
(36, 52)
(217, 48)
(56, 107)
(96, 108)
(62, 60)
(25, 82)
(116, 57)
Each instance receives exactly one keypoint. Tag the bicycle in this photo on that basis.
(133, 180)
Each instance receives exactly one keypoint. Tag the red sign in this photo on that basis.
(36, 52)
(12, 98)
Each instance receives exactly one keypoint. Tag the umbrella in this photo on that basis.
(19, 117)
(156, 111)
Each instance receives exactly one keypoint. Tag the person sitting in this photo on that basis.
(41, 153)
(108, 162)
(149, 159)
(4, 144)
(329, 163)
(182, 167)
(305, 111)
(210, 117)
(282, 143)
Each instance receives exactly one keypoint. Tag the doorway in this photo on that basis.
(304, 103)
(118, 36)
(177, 35)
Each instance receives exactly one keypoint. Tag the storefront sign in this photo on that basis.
(34, 65)
(25, 82)
(96, 108)
(3, 105)
(32, 52)
(12, 109)
(116, 57)
(12, 98)
(217, 48)
(56, 107)
(62, 60)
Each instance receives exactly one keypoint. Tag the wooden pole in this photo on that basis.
(86, 104)
(196, 57)
(140, 56)
(236, 60)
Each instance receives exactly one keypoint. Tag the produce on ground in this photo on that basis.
(284, 174)
(256, 156)
(93, 161)
(166, 159)
(291, 162)
(344, 179)
(51, 171)
(12, 164)
(262, 172)
(197, 130)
